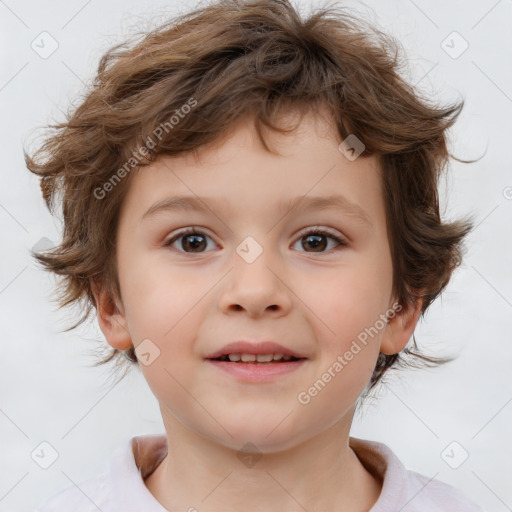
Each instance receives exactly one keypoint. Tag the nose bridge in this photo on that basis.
(254, 282)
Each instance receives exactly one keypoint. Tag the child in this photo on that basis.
(308, 169)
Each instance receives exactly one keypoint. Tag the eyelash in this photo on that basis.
(316, 230)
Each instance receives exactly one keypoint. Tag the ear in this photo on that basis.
(400, 328)
(111, 318)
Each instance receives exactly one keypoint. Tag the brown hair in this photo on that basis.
(231, 59)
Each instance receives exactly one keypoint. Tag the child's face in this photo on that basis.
(307, 293)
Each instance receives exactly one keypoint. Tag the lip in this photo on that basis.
(256, 348)
(257, 373)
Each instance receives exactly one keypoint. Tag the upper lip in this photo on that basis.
(254, 347)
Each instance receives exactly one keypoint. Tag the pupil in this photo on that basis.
(315, 243)
(194, 241)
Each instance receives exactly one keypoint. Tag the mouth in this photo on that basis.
(255, 352)
(263, 359)
(257, 368)
(256, 361)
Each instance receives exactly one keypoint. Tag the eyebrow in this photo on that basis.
(299, 204)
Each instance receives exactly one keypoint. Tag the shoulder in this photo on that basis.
(121, 487)
(90, 496)
(422, 493)
(407, 490)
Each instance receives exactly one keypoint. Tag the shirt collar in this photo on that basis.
(140, 456)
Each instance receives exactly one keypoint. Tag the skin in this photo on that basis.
(315, 301)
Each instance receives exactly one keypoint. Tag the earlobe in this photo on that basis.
(400, 329)
(111, 318)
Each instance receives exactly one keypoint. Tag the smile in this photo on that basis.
(256, 358)
(254, 371)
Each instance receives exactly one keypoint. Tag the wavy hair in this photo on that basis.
(257, 58)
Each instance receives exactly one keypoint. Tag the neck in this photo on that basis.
(322, 473)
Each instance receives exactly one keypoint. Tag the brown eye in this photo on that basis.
(317, 240)
(189, 241)
(195, 242)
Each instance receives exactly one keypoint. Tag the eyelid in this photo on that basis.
(324, 229)
(186, 231)
(340, 239)
(194, 229)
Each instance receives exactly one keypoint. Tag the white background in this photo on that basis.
(49, 393)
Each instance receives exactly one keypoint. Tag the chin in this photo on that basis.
(260, 437)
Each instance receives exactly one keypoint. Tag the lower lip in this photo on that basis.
(254, 372)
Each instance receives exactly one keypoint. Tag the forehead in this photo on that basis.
(236, 172)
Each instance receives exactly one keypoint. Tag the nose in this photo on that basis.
(255, 288)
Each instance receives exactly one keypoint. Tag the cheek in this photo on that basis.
(158, 295)
(164, 304)
(330, 395)
(167, 315)
(349, 299)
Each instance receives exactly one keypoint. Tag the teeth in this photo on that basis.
(264, 358)
(260, 358)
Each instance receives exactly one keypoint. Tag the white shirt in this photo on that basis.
(122, 488)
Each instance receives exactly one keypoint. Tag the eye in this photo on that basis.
(317, 239)
(193, 241)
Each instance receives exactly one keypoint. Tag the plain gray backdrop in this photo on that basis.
(432, 419)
